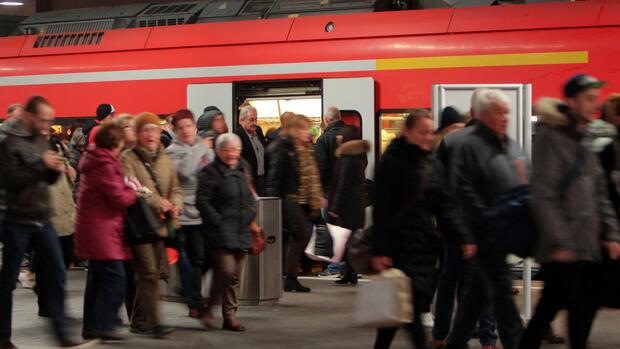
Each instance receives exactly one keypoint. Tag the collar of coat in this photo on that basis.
(484, 132)
(225, 170)
(554, 113)
(146, 154)
(355, 147)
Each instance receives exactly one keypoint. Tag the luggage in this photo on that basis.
(385, 301)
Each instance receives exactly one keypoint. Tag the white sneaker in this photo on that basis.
(428, 320)
(27, 279)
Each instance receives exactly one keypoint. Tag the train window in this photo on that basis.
(270, 109)
(390, 124)
(352, 117)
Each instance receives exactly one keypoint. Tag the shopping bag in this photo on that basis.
(339, 236)
(320, 248)
(385, 301)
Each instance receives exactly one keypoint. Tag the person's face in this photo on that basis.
(421, 134)
(496, 117)
(186, 131)
(229, 154)
(219, 124)
(585, 104)
(40, 122)
(249, 123)
(130, 132)
(148, 136)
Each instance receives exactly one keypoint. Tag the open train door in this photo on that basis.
(200, 96)
(519, 129)
(355, 97)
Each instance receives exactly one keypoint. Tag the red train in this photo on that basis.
(401, 54)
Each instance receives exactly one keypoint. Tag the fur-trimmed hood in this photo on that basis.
(355, 147)
(553, 112)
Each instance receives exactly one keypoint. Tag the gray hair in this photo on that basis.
(332, 114)
(227, 138)
(243, 114)
(483, 98)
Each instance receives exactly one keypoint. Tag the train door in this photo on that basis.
(200, 96)
(519, 129)
(355, 97)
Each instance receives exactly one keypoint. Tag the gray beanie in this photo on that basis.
(206, 119)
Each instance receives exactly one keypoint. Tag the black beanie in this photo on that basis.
(103, 110)
(449, 116)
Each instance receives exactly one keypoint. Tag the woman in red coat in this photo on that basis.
(102, 200)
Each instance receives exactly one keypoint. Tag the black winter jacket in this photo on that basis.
(25, 176)
(325, 150)
(226, 205)
(346, 198)
(409, 200)
(484, 168)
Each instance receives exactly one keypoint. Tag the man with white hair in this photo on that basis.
(254, 143)
(326, 145)
(487, 165)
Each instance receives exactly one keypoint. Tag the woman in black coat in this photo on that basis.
(346, 199)
(294, 177)
(410, 194)
(227, 208)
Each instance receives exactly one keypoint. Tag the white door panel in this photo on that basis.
(200, 96)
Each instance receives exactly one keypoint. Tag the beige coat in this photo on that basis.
(166, 177)
(63, 205)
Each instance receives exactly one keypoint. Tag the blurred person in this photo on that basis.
(448, 138)
(14, 111)
(346, 199)
(294, 177)
(128, 123)
(486, 165)
(153, 168)
(99, 235)
(610, 155)
(211, 123)
(326, 145)
(190, 154)
(284, 118)
(104, 111)
(575, 219)
(29, 167)
(227, 208)
(77, 147)
(410, 200)
(254, 143)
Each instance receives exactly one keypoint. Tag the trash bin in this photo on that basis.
(261, 280)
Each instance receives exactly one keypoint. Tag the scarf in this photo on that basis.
(309, 191)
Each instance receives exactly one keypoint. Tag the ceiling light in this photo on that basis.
(11, 3)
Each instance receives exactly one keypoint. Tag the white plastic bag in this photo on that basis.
(321, 249)
(340, 236)
(385, 301)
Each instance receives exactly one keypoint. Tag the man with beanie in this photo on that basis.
(104, 111)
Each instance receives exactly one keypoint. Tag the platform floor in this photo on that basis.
(321, 319)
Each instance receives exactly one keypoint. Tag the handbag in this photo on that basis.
(320, 248)
(385, 301)
(359, 251)
(141, 225)
(258, 239)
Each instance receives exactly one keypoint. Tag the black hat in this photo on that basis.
(103, 110)
(580, 83)
(449, 116)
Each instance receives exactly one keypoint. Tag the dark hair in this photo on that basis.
(412, 119)
(350, 133)
(109, 135)
(32, 105)
(180, 115)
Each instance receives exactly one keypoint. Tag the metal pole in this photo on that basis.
(527, 289)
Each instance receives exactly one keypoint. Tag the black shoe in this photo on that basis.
(293, 285)
(7, 345)
(141, 330)
(347, 279)
(108, 336)
(161, 331)
(67, 343)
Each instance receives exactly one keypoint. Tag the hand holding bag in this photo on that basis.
(258, 239)
(385, 301)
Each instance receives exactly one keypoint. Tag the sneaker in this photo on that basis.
(428, 320)
(161, 331)
(329, 273)
(141, 329)
(27, 279)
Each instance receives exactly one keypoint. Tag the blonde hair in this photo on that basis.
(295, 123)
(126, 119)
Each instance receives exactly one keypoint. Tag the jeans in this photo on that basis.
(199, 254)
(105, 289)
(190, 283)
(446, 292)
(566, 286)
(486, 279)
(19, 238)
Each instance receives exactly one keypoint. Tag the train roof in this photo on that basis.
(315, 28)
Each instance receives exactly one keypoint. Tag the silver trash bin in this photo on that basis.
(261, 280)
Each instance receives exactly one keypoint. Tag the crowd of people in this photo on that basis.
(124, 187)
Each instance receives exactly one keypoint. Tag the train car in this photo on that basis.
(374, 66)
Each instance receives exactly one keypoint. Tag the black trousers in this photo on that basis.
(486, 280)
(567, 286)
(199, 253)
(385, 336)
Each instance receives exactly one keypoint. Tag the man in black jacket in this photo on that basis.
(326, 145)
(487, 165)
(29, 166)
(253, 146)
